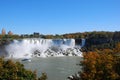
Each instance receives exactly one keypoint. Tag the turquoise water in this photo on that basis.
(57, 68)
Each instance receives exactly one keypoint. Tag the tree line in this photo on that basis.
(86, 35)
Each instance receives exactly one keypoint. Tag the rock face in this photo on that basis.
(37, 47)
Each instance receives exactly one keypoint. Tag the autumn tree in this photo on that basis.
(100, 65)
(10, 70)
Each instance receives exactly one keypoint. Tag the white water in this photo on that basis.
(37, 47)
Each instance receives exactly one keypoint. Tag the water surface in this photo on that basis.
(57, 68)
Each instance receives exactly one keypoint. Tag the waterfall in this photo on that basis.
(83, 42)
(37, 47)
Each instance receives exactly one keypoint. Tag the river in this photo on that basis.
(57, 68)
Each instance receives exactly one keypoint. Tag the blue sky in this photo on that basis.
(59, 16)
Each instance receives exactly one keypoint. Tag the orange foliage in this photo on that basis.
(117, 48)
(99, 66)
